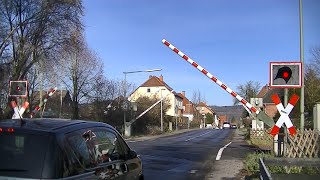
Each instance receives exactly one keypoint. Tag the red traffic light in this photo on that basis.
(18, 88)
(285, 74)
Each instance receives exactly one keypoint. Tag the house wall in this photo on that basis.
(205, 110)
(155, 92)
(270, 109)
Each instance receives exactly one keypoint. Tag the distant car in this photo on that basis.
(226, 125)
(68, 149)
(209, 126)
(233, 126)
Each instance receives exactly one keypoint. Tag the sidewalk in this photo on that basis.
(232, 161)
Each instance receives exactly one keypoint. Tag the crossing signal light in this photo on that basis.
(285, 74)
(18, 88)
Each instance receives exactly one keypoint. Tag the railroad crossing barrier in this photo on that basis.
(260, 114)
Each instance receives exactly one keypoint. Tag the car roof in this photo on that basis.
(49, 124)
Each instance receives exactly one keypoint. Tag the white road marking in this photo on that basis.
(193, 171)
(221, 150)
(131, 141)
(197, 136)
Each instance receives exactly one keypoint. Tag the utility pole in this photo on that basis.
(302, 66)
(161, 111)
(176, 114)
(188, 105)
(161, 114)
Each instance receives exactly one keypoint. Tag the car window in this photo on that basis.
(124, 146)
(75, 155)
(105, 146)
(94, 146)
(22, 154)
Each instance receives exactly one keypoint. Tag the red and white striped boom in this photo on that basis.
(44, 101)
(210, 76)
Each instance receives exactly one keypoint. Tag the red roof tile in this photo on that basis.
(154, 81)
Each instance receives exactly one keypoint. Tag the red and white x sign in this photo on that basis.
(18, 112)
(284, 112)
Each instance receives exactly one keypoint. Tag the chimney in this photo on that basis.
(161, 78)
(150, 76)
(183, 93)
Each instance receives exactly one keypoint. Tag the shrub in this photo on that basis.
(252, 163)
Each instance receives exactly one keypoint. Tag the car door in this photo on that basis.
(133, 162)
(93, 154)
(107, 154)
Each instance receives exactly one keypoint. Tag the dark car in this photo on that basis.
(65, 149)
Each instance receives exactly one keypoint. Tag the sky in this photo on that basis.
(233, 40)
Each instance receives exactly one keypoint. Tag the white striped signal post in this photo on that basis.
(18, 112)
(210, 76)
(284, 112)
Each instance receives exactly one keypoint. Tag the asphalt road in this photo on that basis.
(189, 155)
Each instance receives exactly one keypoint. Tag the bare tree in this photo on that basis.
(79, 68)
(34, 29)
(248, 90)
(315, 61)
(197, 97)
(312, 88)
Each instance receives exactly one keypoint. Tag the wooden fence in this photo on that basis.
(262, 139)
(304, 144)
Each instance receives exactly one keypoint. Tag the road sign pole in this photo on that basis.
(285, 101)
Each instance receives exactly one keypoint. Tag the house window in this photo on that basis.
(148, 90)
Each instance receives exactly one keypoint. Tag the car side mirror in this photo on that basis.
(132, 154)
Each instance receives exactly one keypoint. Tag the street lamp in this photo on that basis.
(127, 129)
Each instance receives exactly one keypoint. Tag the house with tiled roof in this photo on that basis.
(157, 87)
(188, 106)
(222, 119)
(190, 113)
(268, 105)
(203, 109)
